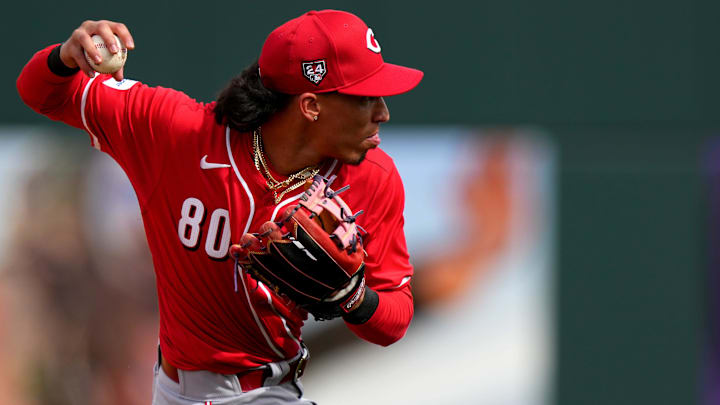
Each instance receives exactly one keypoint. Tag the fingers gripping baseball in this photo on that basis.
(80, 42)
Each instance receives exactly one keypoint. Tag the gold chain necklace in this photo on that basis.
(274, 185)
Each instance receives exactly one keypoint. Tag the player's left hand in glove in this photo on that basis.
(313, 255)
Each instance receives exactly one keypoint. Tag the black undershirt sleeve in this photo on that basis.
(366, 310)
(56, 65)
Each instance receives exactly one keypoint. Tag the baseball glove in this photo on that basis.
(313, 254)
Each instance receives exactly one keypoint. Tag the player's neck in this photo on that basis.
(286, 148)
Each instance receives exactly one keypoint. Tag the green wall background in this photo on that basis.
(627, 89)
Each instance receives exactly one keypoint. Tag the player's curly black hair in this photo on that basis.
(245, 104)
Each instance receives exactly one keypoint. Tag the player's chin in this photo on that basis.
(355, 159)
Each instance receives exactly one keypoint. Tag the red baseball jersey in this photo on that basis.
(199, 191)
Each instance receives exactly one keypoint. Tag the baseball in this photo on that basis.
(111, 63)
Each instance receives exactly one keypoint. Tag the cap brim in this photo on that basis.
(389, 80)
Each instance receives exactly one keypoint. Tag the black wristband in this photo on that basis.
(56, 65)
(366, 310)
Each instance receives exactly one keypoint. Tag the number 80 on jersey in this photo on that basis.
(192, 216)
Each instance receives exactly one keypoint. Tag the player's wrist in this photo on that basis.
(57, 65)
(365, 309)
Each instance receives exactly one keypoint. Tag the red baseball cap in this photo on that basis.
(330, 50)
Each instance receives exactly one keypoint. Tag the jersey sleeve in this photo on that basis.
(388, 262)
(130, 121)
(387, 268)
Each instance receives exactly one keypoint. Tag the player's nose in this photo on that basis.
(381, 113)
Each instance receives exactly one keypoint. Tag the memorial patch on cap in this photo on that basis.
(315, 71)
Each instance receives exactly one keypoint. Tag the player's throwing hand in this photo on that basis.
(72, 52)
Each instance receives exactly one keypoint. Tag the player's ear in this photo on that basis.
(309, 106)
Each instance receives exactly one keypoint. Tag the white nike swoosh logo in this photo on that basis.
(205, 165)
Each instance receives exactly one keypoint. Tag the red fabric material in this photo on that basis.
(390, 321)
(47, 93)
(330, 50)
(159, 137)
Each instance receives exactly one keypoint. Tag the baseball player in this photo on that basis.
(215, 183)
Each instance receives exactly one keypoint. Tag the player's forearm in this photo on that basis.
(390, 320)
(50, 93)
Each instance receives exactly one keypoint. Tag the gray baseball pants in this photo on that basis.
(208, 388)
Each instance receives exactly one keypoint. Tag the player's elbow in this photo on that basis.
(29, 94)
(23, 91)
(391, 338)
(395, 331)
(399, 312)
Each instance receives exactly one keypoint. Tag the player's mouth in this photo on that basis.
(373, 140)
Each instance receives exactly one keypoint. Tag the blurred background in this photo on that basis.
(561, 167)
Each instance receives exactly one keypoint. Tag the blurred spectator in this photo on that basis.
(484, 191)
(82, 311)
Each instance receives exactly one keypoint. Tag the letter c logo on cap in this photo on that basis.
(372, 43)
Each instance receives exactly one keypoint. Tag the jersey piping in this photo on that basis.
(403, 282)
(242, 180)
(260, 325)
(282, 204)
(287, 329)
(95, 142)
(257, 320)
